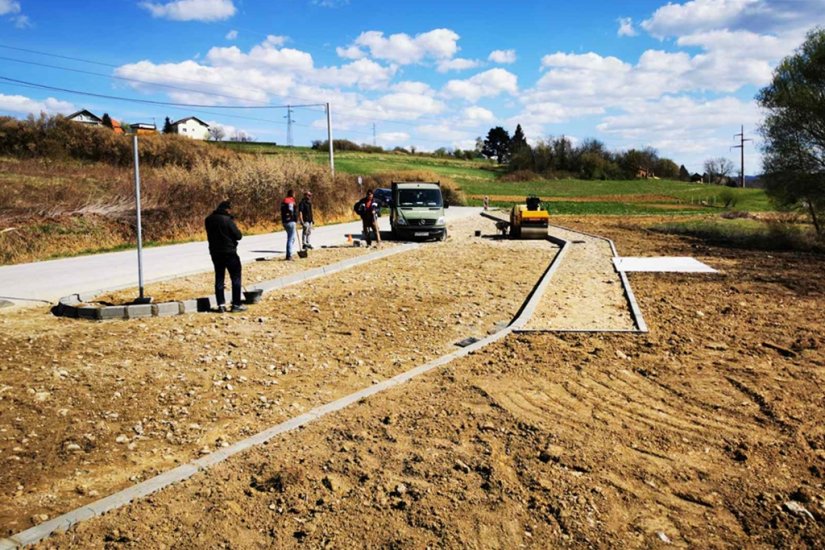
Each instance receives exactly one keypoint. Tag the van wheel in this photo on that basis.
(443, 236)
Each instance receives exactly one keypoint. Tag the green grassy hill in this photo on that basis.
(478, 178)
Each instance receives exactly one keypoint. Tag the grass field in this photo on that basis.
(566, 196)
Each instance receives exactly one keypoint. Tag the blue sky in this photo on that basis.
(677, 76)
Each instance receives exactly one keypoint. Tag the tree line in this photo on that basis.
(590, 159)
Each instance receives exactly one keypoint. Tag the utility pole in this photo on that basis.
(373, 135)
(741, 147)
(329, 140)
(289, 122)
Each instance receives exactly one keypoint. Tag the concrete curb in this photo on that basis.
(70, 306)
(66, 521)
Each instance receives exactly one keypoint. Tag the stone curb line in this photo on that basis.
(99, 507)
(69, 306)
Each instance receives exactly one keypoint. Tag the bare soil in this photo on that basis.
(706, 432)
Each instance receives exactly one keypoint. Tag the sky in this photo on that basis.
(680, 77)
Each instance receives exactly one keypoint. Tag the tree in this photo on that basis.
(107, 121)
(167, 127)
(794, 131)
(518, 141)
(718, 169)
(497, 144)
(216, 133)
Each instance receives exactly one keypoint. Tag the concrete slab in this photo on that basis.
(113, 312)
(661, 264)
(166, 309)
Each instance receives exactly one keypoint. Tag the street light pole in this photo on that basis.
(141, 299)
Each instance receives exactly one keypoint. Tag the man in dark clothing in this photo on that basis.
(289, 216)
(305, 219)
(223, 236)
(369, 210)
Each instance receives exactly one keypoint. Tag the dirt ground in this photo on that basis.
(707, 432)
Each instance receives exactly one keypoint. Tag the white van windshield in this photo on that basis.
(419, 197)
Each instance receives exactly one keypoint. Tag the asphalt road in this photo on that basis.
(50, 280)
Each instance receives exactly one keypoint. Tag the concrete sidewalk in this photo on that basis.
(50, 280)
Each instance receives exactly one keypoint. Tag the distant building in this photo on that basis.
(143, 128)
(86, 117)
(191, 127)
(116, 127)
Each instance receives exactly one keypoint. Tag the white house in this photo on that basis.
(191, 127)
(86, 117)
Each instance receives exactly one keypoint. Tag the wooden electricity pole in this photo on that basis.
(741, 147)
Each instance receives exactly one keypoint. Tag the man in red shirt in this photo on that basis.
(289, 215)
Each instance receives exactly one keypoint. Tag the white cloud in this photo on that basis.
(626, 27)
(9, 6)
(487, 84)
(502, 56)
(264, 56)
(685, 129)
(364, 73)
(402, 48)
(351, 52)
(191, 10)
(759, 16)
(457, 64)
(22, 21)
(696, 15)
(27, 105)
(412, 87)
(475, 115)
(393, 138)
(441, 133)
(232, 35)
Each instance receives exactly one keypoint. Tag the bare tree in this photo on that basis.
(216, 133)
(718, 169)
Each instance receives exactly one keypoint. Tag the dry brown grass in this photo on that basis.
(52, 208)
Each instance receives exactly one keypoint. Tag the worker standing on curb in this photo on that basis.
(369, 210)
(223, 236)
(305, 219)
(289, 215)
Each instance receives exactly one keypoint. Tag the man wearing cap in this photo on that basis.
(305, 219)
(223, 236)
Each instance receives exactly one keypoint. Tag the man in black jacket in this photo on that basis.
(223, 236)
(305, 219)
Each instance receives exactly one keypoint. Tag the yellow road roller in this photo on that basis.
(529, 221)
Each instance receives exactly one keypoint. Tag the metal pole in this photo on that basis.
(141, 298)
(329, 139)
(742, 156)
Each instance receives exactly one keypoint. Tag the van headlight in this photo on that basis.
(441, 221)
(401, 221)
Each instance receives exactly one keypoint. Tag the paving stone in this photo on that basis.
(113, 312)
(88, 313)
(138, 311)
(166, 309)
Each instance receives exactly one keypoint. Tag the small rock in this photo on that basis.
(663, 537)
(138, 428)
(400, 489)
(73, 447)
(621, 355)
(797, 508)
(552, 452)
(461, 467)
(121, 439)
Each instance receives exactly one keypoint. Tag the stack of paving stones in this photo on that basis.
(76, 306)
